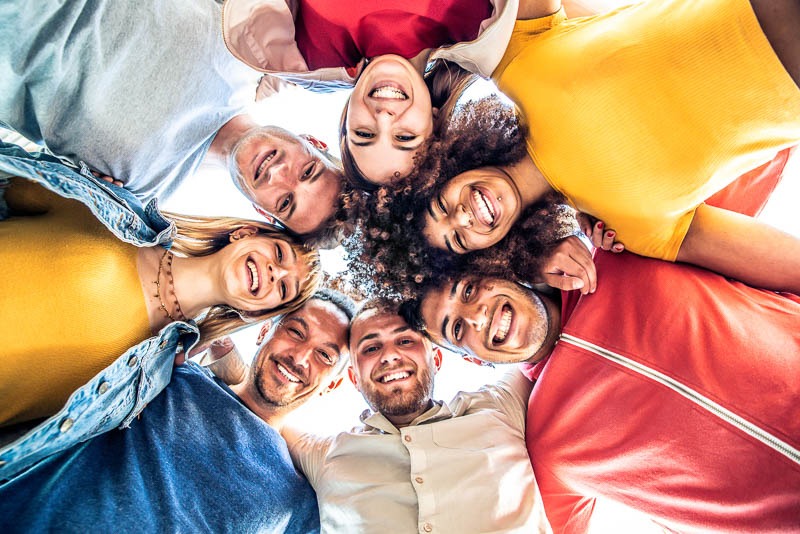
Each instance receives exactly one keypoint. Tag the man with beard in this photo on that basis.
(419, 465)
(201, 457)
(672, 390)
(143, 91)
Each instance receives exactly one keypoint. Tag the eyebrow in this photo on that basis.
(447, 317)
(367, 337)
(300, 320)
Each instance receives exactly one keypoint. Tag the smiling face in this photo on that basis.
(301, 356)
(259, 272)
(492, 319)
(474, 210)
(388, 117)
(287, 177)
(392, 365)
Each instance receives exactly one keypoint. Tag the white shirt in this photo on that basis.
(460, 467)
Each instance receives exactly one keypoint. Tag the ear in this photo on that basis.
(437, 358)
(265, 326)
(241, 233)
(267, 216)
(316, 143)
(472, 359)
(352, 375)
(335, 383)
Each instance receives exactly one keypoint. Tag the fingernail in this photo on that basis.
(610, 234)
(618, 247)
(600, 225)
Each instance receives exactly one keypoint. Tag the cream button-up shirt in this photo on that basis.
(460, 467)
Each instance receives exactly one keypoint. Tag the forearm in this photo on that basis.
(743, 248)
(534, 9)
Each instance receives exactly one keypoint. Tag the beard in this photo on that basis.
(399, 401)
(271, 393)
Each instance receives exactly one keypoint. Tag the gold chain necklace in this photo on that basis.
(181, 317)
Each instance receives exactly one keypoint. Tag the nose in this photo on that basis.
(280, 174)
(462, 218)
(478, 317)
(302, 356)
(275, 272)
(389, 356)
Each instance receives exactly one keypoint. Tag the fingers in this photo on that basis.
(570, 267)
(108, 179)
(604, 238)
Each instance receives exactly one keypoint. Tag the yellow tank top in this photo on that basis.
(638, 115)
(72, 301)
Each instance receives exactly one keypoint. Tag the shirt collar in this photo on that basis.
(378, 421)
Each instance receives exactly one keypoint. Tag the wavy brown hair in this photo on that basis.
(389, 255)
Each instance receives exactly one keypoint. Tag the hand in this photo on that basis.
(570, 266)
(216, 349)
(600, 236)
(108, 179)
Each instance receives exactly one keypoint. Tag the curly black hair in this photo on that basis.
(389, 254)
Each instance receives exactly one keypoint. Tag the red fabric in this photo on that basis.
(340, 34)
(596, 428)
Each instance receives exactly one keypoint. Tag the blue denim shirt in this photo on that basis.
(116, 395)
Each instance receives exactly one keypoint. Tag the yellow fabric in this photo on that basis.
(638, 115)
(72, 301)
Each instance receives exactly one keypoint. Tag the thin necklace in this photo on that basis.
(181, 317)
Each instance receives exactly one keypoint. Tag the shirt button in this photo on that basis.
(132, 361)
(163, 344)
(66, 424)
(419, 480)
(407, 438)
(103, 387)
(427, 527)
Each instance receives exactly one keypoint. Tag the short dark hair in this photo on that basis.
(345, 304)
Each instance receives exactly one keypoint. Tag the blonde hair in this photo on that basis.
(200, 236)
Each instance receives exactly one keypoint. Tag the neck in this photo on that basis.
(405, 419)
(529, 180)
(271, 414)
(227, 137)
(197, 283)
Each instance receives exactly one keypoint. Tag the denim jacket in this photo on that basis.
(116, 395)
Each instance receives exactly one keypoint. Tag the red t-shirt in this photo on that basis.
(340, 34)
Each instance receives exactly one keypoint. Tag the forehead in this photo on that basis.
(325, 321)
(376, 322)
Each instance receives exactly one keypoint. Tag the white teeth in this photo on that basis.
(289, 376)
(505, 324)
(388, 92)
(485, 210)
(395, 376)
(264, 164)
(254, 284)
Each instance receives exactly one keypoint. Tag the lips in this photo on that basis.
(483, 208)
(502, 324)
(393, 375)
(253, 276)
(387, 91)
(289, 372)
(262, 167)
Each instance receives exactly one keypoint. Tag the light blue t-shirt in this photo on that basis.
(137, 90)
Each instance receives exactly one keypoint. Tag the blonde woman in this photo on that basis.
(87, 277)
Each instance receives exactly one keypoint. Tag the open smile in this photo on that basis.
(253, 275)
(387, 91)
(291, 376)
(264, 165)
(502, 321)
(394, 376)
(483, 208)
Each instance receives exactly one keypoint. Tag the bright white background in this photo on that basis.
(211, 192)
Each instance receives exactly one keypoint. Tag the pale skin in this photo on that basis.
(221, 278)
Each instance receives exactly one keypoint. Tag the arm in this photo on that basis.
(534, 9)
(744, 248)
(223, 359)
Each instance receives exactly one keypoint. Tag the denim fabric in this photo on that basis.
(196, 460)
(118, 393)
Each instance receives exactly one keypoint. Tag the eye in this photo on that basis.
(327, 358)
(308, 172)
(405, 138)
(457, 330)
(459, 241)
(282, 287)
(440, 203)
(285, 203)
(279, 254)
(295, 333)
(468, 290)
(364, 135)
(406, 341)
(370, 349)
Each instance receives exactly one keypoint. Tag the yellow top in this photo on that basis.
(638, 115)
(72, 301)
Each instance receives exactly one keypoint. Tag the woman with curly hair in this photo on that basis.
(80, 288)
